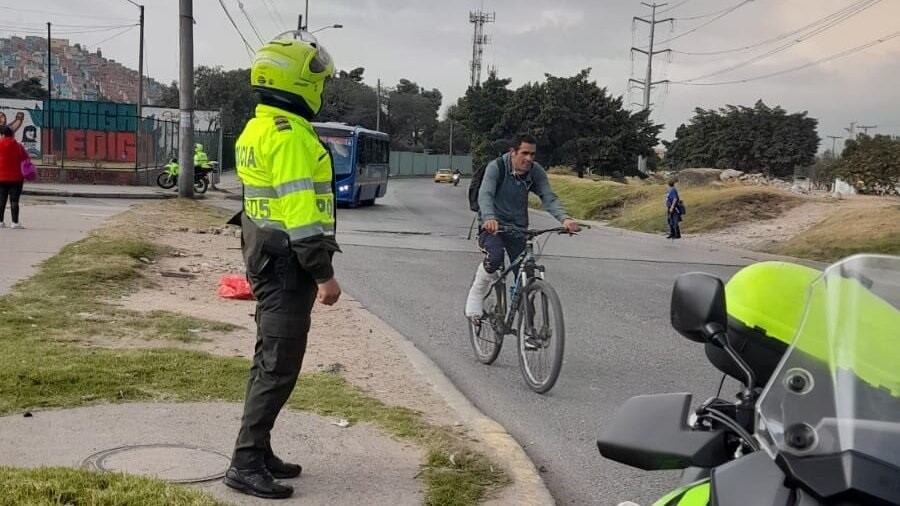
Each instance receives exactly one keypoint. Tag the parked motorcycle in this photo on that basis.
(818, 419)
(169, 177)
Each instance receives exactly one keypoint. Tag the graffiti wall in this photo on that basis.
(16, 115)
(97, 131)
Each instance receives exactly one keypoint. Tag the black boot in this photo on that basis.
(257, 482)
(282, 470)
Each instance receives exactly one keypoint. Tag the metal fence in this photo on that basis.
(408, 164)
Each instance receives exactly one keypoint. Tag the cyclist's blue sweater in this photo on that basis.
(504, 196)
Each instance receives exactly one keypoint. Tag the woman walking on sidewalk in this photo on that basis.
(12, 154)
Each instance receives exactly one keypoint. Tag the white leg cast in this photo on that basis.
(480, 287)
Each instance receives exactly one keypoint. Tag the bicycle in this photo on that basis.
(541, 338)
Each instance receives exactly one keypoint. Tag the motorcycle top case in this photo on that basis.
(765, 304)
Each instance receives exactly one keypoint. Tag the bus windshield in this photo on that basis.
(341, 151)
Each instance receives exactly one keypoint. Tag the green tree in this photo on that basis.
(871, 164)
(440, 141)
(575, 122)
(228, 90)
(478, 111)
(26, 89)
(412, 115)
(348, 100)
(758, 138)
(170, 97)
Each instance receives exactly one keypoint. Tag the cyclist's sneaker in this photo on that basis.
(533, 343)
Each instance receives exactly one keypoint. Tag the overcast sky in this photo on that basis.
(429, 41)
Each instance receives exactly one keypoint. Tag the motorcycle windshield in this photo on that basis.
(837, 388)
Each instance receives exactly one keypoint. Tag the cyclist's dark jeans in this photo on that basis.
(494, 245)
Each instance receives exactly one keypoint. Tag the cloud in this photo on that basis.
(430, 42)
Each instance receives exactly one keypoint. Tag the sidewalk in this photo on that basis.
(48, 228)
(228, 184)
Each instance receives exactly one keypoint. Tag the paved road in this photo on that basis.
(408, 260)
(51, 223)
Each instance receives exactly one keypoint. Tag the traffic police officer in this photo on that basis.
(288, 241)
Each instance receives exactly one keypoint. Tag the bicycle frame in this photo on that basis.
(528, 269)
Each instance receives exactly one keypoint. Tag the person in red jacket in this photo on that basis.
(12, 154)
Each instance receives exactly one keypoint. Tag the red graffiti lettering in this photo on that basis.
(96, 145)
(75, 144)
(125, 151)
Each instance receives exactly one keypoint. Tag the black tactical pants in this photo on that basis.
(285, 297)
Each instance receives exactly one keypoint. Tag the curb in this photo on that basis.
(528, 488)
(98, 195)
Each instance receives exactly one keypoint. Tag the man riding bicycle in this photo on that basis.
(503, 201)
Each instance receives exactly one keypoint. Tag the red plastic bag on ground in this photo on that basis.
(235, 286)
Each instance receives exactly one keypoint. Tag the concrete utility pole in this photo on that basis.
(851, 131)
(186, 100)
(647, 84)
(451, 143)
(866, 128)
(378, 108)
(834, 139)
(49, 109)
(140, 94)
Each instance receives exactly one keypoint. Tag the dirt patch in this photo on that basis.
(771, 231)
(343, 338)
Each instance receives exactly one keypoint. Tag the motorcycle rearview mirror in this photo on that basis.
(698, 306)
(698, 312)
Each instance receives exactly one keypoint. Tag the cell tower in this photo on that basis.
(479, 40)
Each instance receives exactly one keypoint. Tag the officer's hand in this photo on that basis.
(329, 292)
(491, 226)
(571, 226)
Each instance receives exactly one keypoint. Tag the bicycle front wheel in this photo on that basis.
(487, 337)
(542, 336)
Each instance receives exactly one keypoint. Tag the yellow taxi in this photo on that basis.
(443, 176)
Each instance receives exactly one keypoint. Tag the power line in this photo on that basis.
(835, 56)
(711, 21)
(679, 4)
(272, 10)
(31, 30)
(97, 44)
(67, 14)
(250, 21)
(228, 15)
(702, 16)
(777, 38)
(784, 47)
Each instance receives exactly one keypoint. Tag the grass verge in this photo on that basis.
(709, 208)
(847, 233)
(64, 304)
(586, 199)
(642, 207)
(54, 486)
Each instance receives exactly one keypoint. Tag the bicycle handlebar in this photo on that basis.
(532, 233)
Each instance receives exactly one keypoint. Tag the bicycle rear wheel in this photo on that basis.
(542, 336)
(487, 338)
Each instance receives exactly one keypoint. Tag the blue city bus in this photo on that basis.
(361, 162)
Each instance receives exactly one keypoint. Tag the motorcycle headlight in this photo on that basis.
(344, 188)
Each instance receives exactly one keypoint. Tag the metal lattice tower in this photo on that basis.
(479, 40)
